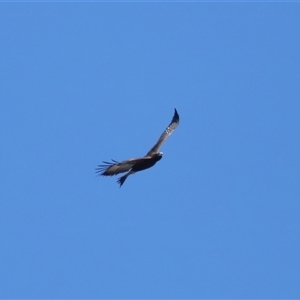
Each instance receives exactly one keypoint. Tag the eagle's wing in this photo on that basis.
(114, 167)
(172, 126)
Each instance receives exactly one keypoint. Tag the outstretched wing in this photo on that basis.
(172, 126)
(115, 167)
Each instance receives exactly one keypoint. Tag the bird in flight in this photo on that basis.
(134, 165)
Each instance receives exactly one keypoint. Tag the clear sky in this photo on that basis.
(217, 217)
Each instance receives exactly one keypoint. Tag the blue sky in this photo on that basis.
(217, 217)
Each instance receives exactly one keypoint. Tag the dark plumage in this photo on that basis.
(134, 165)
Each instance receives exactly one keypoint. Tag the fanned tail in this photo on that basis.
(122, 179)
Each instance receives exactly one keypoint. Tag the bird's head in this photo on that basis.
(155, 155)
(159, 155)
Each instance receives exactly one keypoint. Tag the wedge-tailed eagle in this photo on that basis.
(134, 165)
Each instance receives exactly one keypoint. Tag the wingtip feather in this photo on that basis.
(176, 116)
